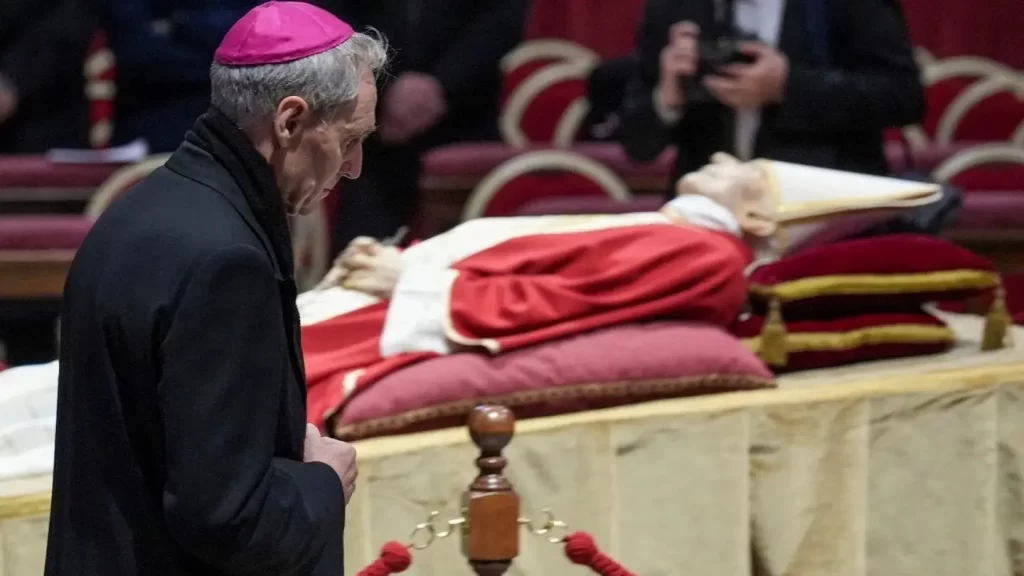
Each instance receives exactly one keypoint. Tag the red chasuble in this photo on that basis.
(520, 291)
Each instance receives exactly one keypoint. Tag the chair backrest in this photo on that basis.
(543, 173)
(989, 166)
(544, 95)
(969, 99)
(544, 98)
(120, 181)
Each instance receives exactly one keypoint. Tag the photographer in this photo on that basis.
(808, 81)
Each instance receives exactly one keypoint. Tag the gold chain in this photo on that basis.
(554, 529)
(427, 532)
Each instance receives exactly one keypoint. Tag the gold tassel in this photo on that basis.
(773, 336)
(997, 322)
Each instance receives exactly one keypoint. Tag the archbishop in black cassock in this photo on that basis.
(181, 420)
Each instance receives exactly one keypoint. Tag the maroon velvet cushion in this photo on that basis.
(620, 365)
(50, 232)
(896, 271)
(38, 172)
(826, 343)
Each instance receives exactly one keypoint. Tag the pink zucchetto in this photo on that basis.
(278, 32)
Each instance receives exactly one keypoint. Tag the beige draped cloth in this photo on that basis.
(910, 467)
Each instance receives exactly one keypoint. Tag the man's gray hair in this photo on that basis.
(327, 81)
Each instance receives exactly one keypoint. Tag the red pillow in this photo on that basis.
(893, 272)
(614, 366)
(814, 344)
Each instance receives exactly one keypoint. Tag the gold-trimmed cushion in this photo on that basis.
(811, 344)
(894, 272)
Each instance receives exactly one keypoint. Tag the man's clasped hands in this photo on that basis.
(739, 86)
(340, 456)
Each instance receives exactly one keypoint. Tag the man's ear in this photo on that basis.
(757, 223)
(290, 117)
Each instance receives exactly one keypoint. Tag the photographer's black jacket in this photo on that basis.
(831, 116)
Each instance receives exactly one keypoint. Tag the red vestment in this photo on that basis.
(525, 290)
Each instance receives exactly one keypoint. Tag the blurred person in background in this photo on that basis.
(444, 87)
(43, 45)
(808, 81)
(163, 50)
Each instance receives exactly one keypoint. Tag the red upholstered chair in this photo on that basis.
(543, 99)
(544, 106)
(543, 174)
(35, 250)
(545, 93)
(120, 182)
(970, 99)
(992, 221)
(544, 110)
(35, 181)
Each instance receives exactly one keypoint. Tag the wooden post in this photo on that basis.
(491, 508)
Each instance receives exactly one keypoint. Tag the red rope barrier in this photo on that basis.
(581, 549)
(394, 558)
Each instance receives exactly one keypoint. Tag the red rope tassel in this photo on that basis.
(581, 549)
(394, 558)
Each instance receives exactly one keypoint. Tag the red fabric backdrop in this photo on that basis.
(989, 28)
(605, 26)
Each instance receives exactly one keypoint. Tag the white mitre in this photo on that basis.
(816, 205)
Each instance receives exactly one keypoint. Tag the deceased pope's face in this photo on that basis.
(721, 180)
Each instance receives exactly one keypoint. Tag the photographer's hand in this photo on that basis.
(752, 85)
(678, 58)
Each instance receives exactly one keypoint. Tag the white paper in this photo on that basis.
(130, 153)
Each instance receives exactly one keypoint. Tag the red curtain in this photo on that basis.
(988, 28)
(605, 26)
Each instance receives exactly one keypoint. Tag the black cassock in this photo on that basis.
(181, 405)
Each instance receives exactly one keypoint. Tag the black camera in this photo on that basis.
(713, 54)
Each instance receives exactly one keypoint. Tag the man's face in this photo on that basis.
(717, 181)
(738, 186)
(322, 152)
